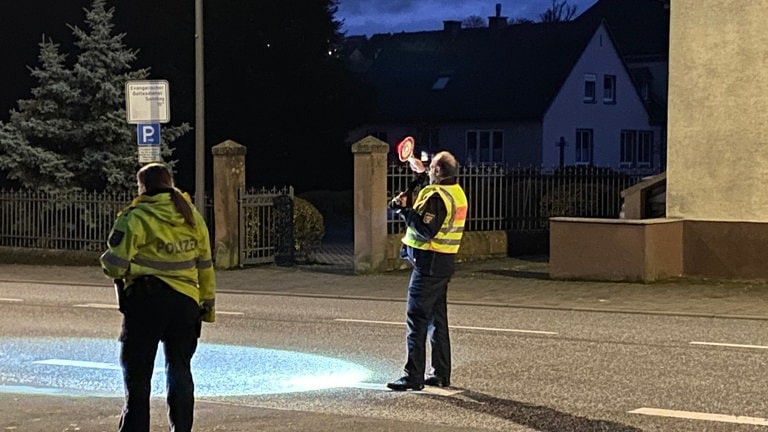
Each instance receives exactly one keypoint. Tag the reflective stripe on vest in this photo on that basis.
(448, 238)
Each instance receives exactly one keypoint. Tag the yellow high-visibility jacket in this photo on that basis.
(448, 239)
(151, 237)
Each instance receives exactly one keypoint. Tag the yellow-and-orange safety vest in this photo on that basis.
(448, 238)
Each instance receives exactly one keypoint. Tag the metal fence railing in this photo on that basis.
(523, 199)
(259, 229)
(71, 221)
(500, 198)
(68, 221)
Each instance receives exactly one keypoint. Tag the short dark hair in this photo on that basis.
(447, 163)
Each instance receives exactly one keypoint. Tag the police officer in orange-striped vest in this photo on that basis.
(434, 228)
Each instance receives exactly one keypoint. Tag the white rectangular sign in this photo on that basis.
(147, 101)
(149, 154)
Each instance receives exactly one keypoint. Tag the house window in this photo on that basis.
(485, 146)
(628, 148)
(589, 88)
(636, 148)
(609, 89)
(644, 148)
(427, 137)
(584, 146)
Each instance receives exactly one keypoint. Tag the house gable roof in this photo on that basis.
(640, 28)
(511, 73)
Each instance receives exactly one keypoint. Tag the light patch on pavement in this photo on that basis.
(79, 363)
(11, 300)
(89, 367)
(691, 415)
(730, 345)
(493, 329)
(441, 391)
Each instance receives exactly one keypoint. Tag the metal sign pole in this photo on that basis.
(199, 111)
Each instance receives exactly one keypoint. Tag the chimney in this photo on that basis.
(451, 27)
(497, 22)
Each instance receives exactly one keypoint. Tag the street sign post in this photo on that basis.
(148, 134)
(147, 101)
(147, 104)
(148, 137)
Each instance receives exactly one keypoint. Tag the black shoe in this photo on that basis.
(436, 381)
(404, 384)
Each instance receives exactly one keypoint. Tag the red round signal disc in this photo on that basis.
(405, 149)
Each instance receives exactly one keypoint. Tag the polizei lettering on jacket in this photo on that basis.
(180, 246)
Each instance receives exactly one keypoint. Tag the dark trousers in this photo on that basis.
(154, 313)
(427, 316)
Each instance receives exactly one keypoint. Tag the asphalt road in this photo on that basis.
(515, 369)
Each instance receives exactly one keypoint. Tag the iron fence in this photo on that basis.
(260, 227)
(500, 198)
(524, 198)
(71, 221)
(67, 221)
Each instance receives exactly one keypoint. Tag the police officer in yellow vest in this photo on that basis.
(160, 258)
(434, 227)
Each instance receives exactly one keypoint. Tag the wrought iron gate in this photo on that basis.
(262, 226)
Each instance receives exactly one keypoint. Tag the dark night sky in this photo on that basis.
(394, 16)
(163, 32)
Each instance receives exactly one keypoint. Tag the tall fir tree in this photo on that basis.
(72, 134)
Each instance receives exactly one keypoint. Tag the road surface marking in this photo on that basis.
(79, 363)
(690, 415)
(453, 326)
(10, 300)
(97, 305)
(730, 345)
(114, 306)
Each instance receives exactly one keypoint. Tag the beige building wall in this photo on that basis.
(718, 111)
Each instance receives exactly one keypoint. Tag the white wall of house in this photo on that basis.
(569, 111)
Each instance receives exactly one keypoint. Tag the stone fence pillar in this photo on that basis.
(228, 179)
(370, 206)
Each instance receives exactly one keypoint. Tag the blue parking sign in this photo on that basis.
(148, 134)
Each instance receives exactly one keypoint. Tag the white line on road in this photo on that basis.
(453, 326)
(730, 345)
(10, 300)
(97, 305)
(701, 416)
(79, 363)
(114, 306)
